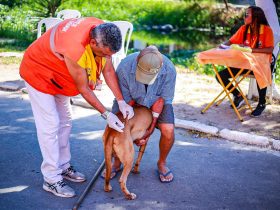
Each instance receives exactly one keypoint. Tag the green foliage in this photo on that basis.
(18, 23)
(192, 64)
(45, 8)
(12, 3)
(180, 14)
(277, 74)
(12, 45)
(187, 39)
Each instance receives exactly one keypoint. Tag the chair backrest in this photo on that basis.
(48, 22)
(68, 13)
(126, 31)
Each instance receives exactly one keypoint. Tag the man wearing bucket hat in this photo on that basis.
(148, 78)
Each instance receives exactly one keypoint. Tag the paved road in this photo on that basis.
(209, 173)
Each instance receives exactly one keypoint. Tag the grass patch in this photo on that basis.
(13, 45)
(10, 60)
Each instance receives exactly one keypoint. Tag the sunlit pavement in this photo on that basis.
(209, 173)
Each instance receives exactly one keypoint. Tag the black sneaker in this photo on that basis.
(238, 101)
(258, 111)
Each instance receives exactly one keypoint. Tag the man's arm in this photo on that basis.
(80, 77)
(124, 83)
(111, 79)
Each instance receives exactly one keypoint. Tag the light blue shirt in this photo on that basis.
(164, 85)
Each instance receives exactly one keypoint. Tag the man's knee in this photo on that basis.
(167, 130)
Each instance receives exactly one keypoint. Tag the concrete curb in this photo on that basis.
(245, 138)
(231, 135)
(190, 125)
(275, 145)
(12, 85)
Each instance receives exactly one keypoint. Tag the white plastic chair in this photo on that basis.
(68, 13)
(126, 31)
(48, 22)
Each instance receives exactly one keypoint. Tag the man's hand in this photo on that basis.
(114, 122)
(125, 109)
(141, 142)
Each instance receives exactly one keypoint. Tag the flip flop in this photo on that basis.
(114, 173)
(164, 175)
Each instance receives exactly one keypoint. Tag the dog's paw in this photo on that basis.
(108, 188)
(130, 196)
(135, 170)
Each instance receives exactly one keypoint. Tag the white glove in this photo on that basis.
(114, 122)
(125, 109)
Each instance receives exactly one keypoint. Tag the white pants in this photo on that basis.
(52, 114)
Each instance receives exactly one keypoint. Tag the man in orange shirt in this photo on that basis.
(68, 60)
(258, 36)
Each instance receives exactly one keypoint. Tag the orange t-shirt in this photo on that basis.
(265, 37)
(46, 72)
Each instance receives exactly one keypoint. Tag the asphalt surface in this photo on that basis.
(210, 173)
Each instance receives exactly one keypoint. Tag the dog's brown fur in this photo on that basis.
(121, 145)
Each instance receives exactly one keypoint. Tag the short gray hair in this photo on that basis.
(109, 35)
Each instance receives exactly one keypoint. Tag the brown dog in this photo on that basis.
(121, 145)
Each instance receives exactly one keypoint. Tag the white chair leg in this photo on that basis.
(275, 92)
(253, 90)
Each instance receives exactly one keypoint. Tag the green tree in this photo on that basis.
(46, 8)
(12, 3)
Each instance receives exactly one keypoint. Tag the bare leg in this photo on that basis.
(165, 145)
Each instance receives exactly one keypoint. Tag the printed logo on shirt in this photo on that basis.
(260, 44)
(72, 23)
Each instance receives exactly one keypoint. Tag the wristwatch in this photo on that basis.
(105, 114)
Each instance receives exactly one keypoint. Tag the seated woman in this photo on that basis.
(257, 35)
